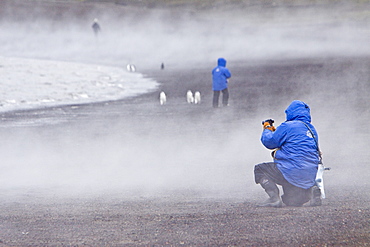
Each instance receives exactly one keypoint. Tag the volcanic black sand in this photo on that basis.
(210, 201)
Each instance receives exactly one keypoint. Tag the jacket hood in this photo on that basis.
(298, 110)
(221, 62)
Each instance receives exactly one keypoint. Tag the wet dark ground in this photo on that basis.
(167, 222)
(134, 173)
(40, 216)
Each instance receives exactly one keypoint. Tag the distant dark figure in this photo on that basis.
(96, 27)
(220, 76)
(162, 66)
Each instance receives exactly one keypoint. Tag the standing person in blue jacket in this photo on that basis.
(296, 159)
(220, 76)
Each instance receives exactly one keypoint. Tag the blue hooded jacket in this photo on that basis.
(297, 156)
(220, 74)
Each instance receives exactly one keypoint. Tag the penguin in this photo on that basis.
(190, 97)
(197, 97)
(162, 98)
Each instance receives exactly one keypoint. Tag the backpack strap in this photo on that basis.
(316, 141)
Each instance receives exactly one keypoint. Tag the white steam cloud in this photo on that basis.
(149, 158)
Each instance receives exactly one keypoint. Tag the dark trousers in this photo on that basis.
(293, 195)
(225, 97)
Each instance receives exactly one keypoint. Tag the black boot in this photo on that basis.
(273, 191)
(315, 199)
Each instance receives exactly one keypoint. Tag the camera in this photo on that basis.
(270, 121)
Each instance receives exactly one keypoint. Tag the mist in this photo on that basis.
(183, 36)
(167, 157)
(145, 161)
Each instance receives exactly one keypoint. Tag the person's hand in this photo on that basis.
(268, 124)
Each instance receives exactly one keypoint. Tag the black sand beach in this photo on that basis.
(134, 173)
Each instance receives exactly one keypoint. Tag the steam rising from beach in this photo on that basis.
(183, 37)
(142, 161)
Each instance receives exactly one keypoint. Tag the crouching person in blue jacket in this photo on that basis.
(296, 159)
